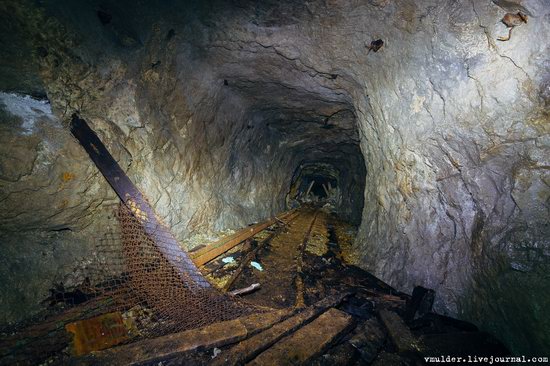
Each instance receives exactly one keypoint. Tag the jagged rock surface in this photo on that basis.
(212, 107)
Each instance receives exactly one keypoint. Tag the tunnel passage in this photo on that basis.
(313, 180)
(320, 186)
(338, 183)
(297, 135)
(212, 109)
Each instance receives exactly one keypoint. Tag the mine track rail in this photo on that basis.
(299, 280)
(203, 255)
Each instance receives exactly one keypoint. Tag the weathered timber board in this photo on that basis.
(214, 335)
(398, 331)
(247, 350)
(308, 342)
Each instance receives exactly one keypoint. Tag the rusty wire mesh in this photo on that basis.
(131, 273)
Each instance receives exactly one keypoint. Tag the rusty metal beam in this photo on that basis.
(135, 201)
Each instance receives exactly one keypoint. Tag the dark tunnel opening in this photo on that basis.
(320, 186)
(227, 115)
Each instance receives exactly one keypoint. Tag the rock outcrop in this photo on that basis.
(439, 140)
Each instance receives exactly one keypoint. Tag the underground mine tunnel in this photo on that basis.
(274, 182)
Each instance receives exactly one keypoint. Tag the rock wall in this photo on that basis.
(211, 107)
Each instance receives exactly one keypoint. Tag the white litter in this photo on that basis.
(216, 352)
(228, 260)
(256, 265)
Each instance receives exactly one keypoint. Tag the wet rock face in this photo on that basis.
(213, 107)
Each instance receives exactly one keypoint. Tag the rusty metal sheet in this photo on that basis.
(97, 333)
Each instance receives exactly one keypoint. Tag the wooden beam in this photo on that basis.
(210, 336)
(309, 188)
(246, 350)
(250, 256)
(214, 250)
(399, 333)
(308, 342)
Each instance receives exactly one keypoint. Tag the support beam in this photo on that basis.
(135, 201)
(309, 188)
(326, 190)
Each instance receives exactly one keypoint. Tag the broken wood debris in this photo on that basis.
(214, 335)
(246, 290)
(369, 339)
(308, 342)
(214, 250)
(247, 350)
(420, 303)
(398, 331)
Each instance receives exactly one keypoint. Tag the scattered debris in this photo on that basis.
(215, 352)
(256, 265)
(246, 290)
(228, 260)
(331, 297)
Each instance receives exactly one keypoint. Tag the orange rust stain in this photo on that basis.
(67, 176)
(97, 333)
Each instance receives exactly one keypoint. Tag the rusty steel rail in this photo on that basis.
(299, 280)
(252, 254)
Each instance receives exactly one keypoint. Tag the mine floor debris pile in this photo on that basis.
(310, 308)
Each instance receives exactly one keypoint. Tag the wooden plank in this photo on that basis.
(369, 339)
(398, 331)
(250, 256)
(135, 201)
(247, 350)
(214, 335)
(214, 250)
(420, 303)
(308, 342)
